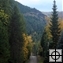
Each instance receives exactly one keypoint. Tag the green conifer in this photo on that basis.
(54, 26)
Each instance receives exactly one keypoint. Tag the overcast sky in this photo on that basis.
(42, 5)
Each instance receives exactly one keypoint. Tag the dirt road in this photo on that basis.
(33, 59)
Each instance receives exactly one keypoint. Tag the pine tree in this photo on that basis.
(45, 40)
(4, 40)
(44, 44)
(60, 44)
(16, 36)
(54, 26)
(7, 6)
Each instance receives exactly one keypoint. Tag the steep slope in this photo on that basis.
(35, 21)
(60, 14)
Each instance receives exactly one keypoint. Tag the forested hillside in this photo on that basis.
(60, 14)
(15, 44)
(26, 34)
(35, 21)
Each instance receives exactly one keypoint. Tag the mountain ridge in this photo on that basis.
(35, 21)
(60, 14)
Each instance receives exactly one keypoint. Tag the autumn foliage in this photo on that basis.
(27, 46)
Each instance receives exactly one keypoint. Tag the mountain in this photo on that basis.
(35, 21)
(60, 14)
(48, 14)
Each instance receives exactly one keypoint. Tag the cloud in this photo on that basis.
(42, 4)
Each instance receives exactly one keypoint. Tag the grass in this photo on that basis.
(40, 59)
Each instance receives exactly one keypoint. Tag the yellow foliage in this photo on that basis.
(25, 53)
(4, 17)
(61, 24)
(48, 20)
(26, 46)
(48, 31)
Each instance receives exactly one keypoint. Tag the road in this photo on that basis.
(33, 59)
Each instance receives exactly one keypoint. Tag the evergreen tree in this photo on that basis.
(43, 40)
(7, 6)
(46, 38)
(60, 44)
(16, 36)
(44, 44)
(4, 40)
(54, 26)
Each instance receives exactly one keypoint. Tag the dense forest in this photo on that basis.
(13, 38)
(25, 30)
(35, 21)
